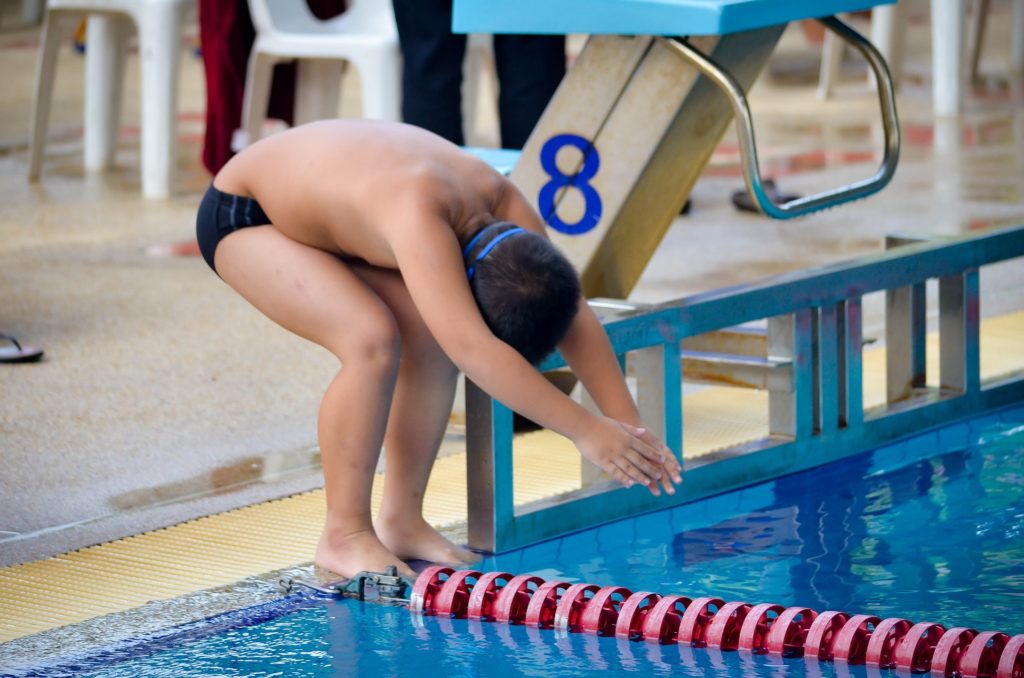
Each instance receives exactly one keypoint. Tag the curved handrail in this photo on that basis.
(745, 128)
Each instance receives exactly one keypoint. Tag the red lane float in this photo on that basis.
(951, 645)
(882, 644)
(633, 613)
(662, 624)
(914, 653)
(571, 605)
(511, 605)
(821, 636)
(453, 598)
(1011, 664)
(982, 654)
(789, 632)
(764, 628)
(601, 613)
(851, 644)
(481, 600)
(694, 624)
(541, 610)
(426, 588)
(724, 630)
(754, 632)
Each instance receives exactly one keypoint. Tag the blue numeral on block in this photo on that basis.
(549, 191)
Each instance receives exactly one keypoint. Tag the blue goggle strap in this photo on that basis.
(490, 246)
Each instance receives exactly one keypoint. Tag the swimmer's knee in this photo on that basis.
(376, 345)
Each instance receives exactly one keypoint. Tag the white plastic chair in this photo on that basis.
(286, 30)
(888, 26)
(158, 23)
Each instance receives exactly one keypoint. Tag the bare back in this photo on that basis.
(344, 186)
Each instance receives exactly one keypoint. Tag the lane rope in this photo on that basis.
(766, 628)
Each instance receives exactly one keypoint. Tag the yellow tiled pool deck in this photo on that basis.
(221, 549)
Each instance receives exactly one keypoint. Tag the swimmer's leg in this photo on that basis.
(317, 296)
(419, 416)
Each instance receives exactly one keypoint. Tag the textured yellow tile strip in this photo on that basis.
(224, 548)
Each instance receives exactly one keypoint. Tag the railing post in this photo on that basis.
(959, 317)
(488, 469)
(790, 338)
(905, 334)
(830, 384)
(851, 407)
(658, 372)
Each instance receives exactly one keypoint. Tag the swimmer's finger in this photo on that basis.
(636, 474)
(666, 457)
(674, 468)
(618, 474)
(653, 472)
(666, 482)
(630, 471)
(646, 449)
(656, 450)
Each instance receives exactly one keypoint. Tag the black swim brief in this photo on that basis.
(222, 213)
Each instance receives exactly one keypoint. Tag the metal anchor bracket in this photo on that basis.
(384, 587)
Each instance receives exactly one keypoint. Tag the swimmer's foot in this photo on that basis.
(347, 554)
(415, 539)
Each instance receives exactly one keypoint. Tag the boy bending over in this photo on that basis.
(410, 260)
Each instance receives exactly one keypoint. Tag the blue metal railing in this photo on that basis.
(815, 332)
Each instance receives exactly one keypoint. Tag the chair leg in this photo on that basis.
(104, 75)
(947, 64)
(976, 38)
(381, 77)
(1017, 41)
(159, 51)
(256, 98)
(831, 59)
(56, 26)
(317, 88)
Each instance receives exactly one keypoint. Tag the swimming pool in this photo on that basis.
(929, 529)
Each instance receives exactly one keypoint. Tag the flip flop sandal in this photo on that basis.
(16, 353)
(745, 203)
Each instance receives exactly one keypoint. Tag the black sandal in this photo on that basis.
(16, 353)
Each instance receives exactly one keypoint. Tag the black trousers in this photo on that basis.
(529, 70)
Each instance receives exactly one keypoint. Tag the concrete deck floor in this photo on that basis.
(163, 396)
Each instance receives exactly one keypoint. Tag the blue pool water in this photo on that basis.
(917, 529)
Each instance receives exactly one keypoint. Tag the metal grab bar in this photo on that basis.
(745, 128)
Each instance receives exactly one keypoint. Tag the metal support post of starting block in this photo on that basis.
(621, 144)
(959, 318)
(791, 337)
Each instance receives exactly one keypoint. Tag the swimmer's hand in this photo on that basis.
(630, 455)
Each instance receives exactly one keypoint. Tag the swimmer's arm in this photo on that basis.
(586, 347)
(589, 353)
(430, 261)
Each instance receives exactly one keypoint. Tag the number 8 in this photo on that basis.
(546, 197)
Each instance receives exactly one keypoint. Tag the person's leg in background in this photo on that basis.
(226, 36)
(530, 68)
(432, 72)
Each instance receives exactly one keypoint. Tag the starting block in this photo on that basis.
(636, 119)
(609, 166)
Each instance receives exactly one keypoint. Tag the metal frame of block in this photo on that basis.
(814, 331)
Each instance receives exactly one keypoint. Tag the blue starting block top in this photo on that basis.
(641, 17)
(501, 159)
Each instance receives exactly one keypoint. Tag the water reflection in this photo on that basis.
(900, 532)
(931, 540)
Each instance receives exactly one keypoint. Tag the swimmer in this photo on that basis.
(411, 260)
